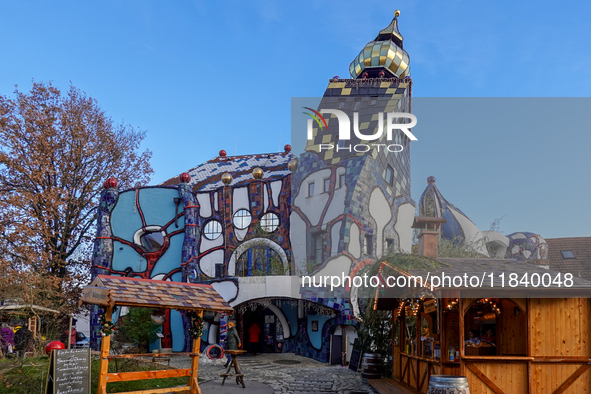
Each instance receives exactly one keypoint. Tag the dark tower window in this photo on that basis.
(389, 175)
(368, 245)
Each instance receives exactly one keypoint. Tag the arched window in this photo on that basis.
(259, 261)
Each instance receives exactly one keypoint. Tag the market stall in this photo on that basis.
(517, 340)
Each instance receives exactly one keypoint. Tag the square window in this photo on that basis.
(341, 104)
(310, 189)
(373, 101)
(327, 185)
(389, 245)
(368, 245)
(357, 105)
(389, 175)
(567, 254)
(317, 248)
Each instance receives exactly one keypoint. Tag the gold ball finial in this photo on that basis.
(292, 165)
(258, 173)
(226, 178)
(396, 13)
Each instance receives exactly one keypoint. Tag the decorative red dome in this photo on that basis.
(54, 345)
(185, 177)
(110, 183)
(223, 153)
(287, 148)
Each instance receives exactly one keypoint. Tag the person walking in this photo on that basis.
(233, 341)
(253, 336)
(7, 339)
(22, 339)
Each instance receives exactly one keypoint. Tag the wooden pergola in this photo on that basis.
(112, 291)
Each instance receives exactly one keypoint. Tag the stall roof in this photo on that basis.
(124, 291)
(23, 308)
(479, 266)
(482, 268)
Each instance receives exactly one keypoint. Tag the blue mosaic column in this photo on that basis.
(189, 267)
(102, 256)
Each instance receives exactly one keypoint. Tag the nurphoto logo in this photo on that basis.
(345, 130)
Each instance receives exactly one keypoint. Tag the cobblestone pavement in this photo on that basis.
(286, 373)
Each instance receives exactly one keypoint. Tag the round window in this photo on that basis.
(212, 230)
(152, 241)
(242, 219)
(269, 222)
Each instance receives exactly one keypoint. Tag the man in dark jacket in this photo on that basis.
(22, 340)
(233, 341)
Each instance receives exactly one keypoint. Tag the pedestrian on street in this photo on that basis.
(253, 335)
(233, 341)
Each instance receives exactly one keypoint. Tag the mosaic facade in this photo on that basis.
(249, 224)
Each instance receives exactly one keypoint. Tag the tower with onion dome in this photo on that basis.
(351, 197)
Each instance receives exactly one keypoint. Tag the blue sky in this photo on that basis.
(204, 76)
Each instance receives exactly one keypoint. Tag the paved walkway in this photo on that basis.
(280, 374)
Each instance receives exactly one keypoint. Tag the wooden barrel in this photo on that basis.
(445, 384)
(371, 366)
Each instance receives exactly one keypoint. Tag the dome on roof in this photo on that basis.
(384, 56)
(457, 226)
(524, 246)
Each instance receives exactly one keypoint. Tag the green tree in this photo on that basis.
(137, 326)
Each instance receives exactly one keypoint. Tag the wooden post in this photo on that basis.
(461, 329)
(194, 383)
(70, 333)
(104, 366)
(402, 333)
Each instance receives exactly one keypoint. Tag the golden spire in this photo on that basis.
(384, 56)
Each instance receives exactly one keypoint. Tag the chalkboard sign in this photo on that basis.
(356, 354)
(69, 372)
(355, 360)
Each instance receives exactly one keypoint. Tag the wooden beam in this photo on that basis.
(182, 389)
(561, 359)
(405, 368)
(568, 382)
(104, 363)
(194, 383)
(461, 331)
(424, 377)
(484, 378)
(151, 355)
(141, 375)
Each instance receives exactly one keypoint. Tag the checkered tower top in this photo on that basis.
(385, 54)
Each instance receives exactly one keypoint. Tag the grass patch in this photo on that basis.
(28, 376)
